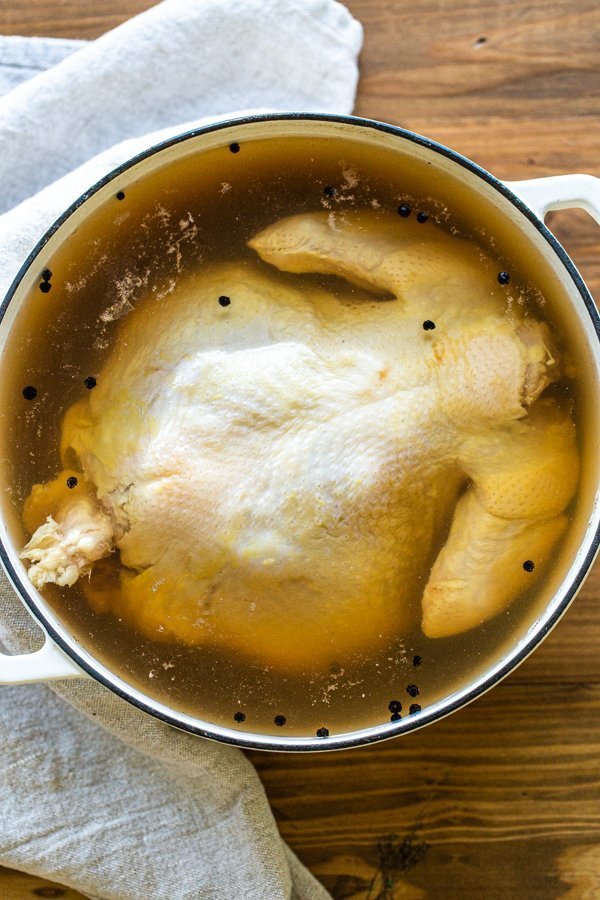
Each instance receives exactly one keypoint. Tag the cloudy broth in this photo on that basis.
(147, 237)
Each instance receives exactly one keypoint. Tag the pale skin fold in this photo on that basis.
(279, 473)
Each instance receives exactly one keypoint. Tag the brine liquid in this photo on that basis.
(148, 235)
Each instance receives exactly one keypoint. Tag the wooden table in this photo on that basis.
(501, 800)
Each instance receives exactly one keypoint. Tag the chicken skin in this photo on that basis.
(279, 459)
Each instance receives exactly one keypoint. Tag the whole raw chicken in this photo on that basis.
(279, 462)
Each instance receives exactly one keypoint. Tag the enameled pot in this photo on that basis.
(518, 209)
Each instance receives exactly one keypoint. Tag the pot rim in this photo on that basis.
(437, 710)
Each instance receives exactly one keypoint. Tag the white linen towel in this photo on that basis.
(23, 57)
(113, 802)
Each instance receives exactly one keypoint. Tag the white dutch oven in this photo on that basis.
(519, 209)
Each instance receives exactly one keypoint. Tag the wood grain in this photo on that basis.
(478, 805)
(19, 885)
(501, 800)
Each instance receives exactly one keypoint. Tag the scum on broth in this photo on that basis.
(204, 209)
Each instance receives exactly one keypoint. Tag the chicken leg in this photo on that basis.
(491, 369)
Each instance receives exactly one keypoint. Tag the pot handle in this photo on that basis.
(560, 192)
(47, 664)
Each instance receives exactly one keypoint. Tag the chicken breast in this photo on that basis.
(278, 461)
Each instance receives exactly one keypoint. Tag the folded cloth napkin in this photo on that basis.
(23, 57)
(113, 802)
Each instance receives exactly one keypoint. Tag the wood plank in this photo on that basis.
(19, 886)
(491, 802)
(67, 18)
(479, 57)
